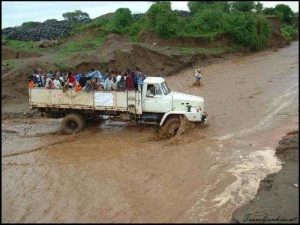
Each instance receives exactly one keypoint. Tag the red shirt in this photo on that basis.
(71, 79)
(129, 84)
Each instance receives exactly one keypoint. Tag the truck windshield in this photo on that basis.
(165, 88)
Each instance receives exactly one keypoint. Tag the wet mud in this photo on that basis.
(116, 173)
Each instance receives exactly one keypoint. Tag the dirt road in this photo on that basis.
(113, 173)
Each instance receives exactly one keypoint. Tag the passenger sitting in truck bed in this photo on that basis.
(49, 83)
(106, 75)
(119, 76)
(71, 78)
(107, 83)
(141, 81)
(38, 78)
(88, 86)
(114, 84)
(129, 82)
(44, 78)
(113, 74)
(31, 81)
(77, 86)
(57, 83)
(82, 80)
(121, 84)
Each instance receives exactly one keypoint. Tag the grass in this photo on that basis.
(84, 46)
(206, 51)
(22, 46)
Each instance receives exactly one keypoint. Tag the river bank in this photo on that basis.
(277, 199)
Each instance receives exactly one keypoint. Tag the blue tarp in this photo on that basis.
(95, 74)
(92, 75)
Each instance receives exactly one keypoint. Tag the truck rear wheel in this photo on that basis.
(170, 127)
(73, 123)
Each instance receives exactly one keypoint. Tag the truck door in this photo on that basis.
(155, 102)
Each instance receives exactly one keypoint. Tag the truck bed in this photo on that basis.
(130, 101)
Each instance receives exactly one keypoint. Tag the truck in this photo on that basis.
(163, 108)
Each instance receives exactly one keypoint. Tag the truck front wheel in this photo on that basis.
(170, 127)
(73, 123)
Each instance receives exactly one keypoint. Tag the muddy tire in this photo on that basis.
(170, 127)
(73, 123)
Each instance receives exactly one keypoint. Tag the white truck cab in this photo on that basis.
(169, 102)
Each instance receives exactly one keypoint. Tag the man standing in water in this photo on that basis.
(198, 75)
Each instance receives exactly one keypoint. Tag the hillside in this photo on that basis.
(83, 51)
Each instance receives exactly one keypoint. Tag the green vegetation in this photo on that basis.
(75, 16)
(284, 12)
(84, 46)
(22, 46)
(245, 23)
(121, 21)
(289, 31)
(205, 51)
(162, 21)
(30, 24)
(60, 65)
(50, 20)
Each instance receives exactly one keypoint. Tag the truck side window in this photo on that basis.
(157, 89)
(150, 91)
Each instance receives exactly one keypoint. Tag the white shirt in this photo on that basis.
(149, 93)
(107, 84)
(114, 86)
(57, 84)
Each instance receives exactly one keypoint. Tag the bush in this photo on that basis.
(162, 21)
(263, 32)
(248, 29)
(207, 22)
(289, 31)
(241, 28)
(30, 24)
(121, 21)
(50, 21)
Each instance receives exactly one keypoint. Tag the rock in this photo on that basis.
(5, 63)
(44, 44)
(154, 44)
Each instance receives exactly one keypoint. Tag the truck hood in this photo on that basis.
(181, 100)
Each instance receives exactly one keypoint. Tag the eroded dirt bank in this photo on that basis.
(277, 199)
(114, 173)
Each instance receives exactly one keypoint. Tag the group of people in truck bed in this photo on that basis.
(110, 81)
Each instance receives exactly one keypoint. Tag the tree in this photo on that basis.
(121, 21)
(162, 20)
(50, 20)
(285, 12)
(31, 24)
(258, 7)
(243, 6)
(269, 11)
(198, 6)
(75, 16)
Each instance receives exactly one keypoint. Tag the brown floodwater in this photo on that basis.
(117, 173)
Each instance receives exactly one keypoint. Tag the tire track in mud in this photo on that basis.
(69, 138)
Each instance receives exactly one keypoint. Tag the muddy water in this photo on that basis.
(114, 173)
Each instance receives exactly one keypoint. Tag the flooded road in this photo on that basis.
(114, 173)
